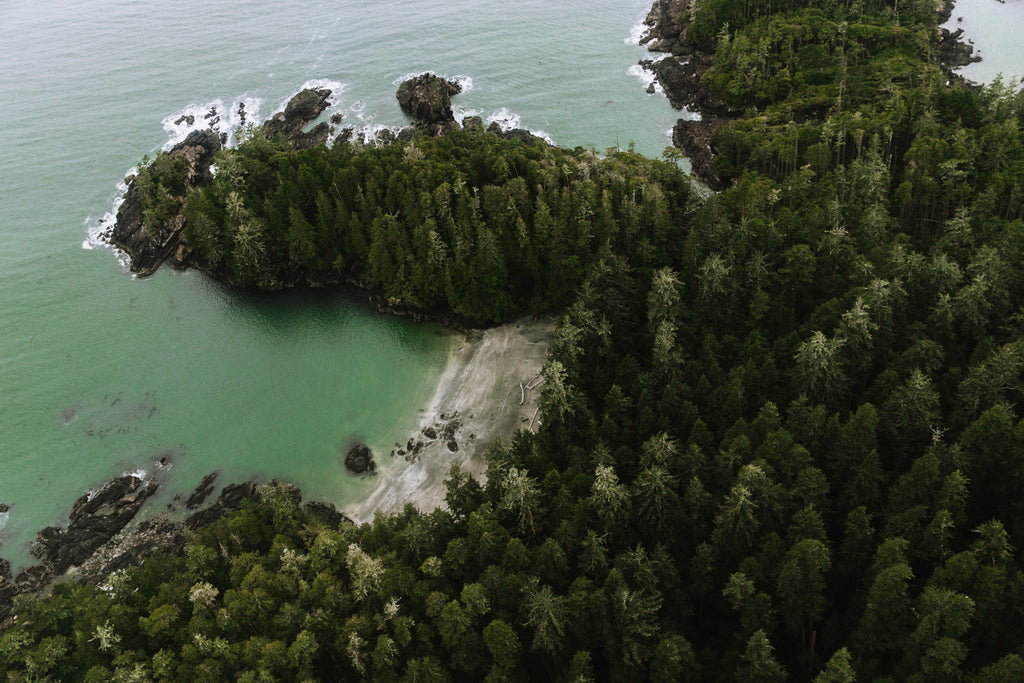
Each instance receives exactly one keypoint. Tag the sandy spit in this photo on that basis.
(481, 388)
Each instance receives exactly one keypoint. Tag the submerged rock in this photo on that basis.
(359, 459)
(201, 492)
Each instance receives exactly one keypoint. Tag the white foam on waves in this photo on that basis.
(646, 76)
(213, 115)
(464, 81)
(508, 120)
(98, 233)
(336, 88)
(369, 133)
(638, 31)
(462, 112)
(505, 118)
(138, 473)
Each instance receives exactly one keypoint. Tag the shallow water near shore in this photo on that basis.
(994, 28)
(101, 373)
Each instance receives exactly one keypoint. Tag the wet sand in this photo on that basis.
(480, 390)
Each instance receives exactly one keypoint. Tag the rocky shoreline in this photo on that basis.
(425, 98)
(680, 71)
(101, 537)
(682, 67)
(490, 389)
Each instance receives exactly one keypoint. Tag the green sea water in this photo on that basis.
(102, 373)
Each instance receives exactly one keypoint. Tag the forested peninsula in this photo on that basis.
(780, 437)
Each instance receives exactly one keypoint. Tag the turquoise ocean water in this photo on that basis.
(102, 373)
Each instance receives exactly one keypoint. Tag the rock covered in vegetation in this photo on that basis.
(359, 459)
(427, 98)
(681, 75)
(100, 538)
(149, 221)
(953, 52)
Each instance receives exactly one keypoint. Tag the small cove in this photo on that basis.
(102, 373)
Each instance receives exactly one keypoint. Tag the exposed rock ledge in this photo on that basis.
(99, 538)
(680, 73)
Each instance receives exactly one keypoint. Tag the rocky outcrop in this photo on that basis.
(953, 52)
(694, 138)
(446, 430)
(680, 74)
(301, 109)
(359, 459)
(100, 538)
(230, 499)
(95, 518)
(201, 492)
(520, 134)
(7, 590)
(150, 246)
(427, 99)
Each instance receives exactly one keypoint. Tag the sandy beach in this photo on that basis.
(477, 400)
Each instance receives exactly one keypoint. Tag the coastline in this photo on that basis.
(680, 68)
(477, 399)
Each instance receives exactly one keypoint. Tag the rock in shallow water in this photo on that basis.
(359, 459)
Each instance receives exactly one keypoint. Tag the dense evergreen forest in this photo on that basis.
(780, 436)
(469, 222)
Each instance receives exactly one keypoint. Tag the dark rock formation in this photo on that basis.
(694, 138)
(147, 250)
(953, 52)
(95, 519)
(149, 246)
(4, 507)
(100, 540)
(300, 110)
(202, 492)
(473, 124)
(359, 459)
(127, 548)
(7, 589)
(327, 513)
(230, 499)
(680, 74)
(427, 98)
(520, 134)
